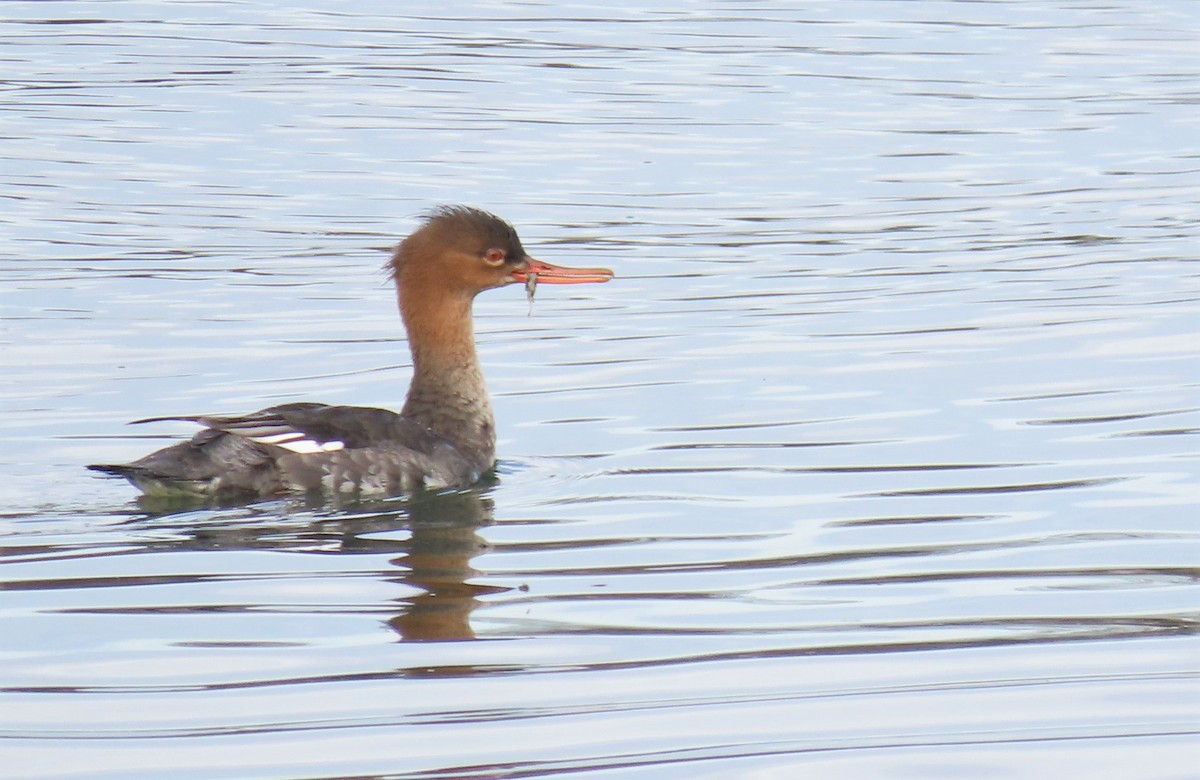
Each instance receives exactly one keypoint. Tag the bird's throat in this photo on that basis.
(448, 393)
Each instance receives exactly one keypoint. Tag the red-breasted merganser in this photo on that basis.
(445, 437)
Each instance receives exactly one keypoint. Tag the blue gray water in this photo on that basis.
(877, 460)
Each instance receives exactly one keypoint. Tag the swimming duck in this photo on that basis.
(445, 435)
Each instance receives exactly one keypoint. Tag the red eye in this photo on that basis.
(494, 256)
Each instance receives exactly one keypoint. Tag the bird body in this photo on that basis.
(445, 435)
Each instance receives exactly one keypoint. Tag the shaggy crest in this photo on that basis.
(483, 229)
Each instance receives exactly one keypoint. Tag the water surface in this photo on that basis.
(877, 459)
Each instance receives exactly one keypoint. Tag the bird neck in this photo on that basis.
(448, 394)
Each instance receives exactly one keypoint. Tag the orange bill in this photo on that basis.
(560, 274)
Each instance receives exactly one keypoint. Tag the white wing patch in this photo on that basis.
(308, 446)
(265, 428)
(298, 442)
(272, 429)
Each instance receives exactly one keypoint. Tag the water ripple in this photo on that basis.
(887, 420)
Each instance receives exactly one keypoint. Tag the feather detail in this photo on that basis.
(266, 427)
(305, 446)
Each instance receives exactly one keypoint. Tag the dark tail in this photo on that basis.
(114, 469)
(153, 483)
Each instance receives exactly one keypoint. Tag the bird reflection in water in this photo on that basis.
(434, 557)
(444, 540)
